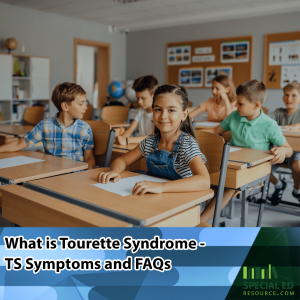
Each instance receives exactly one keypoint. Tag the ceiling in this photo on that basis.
(147, 14)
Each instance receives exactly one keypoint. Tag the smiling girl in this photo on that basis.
(222, 104)
(172, 152)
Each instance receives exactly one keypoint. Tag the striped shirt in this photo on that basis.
(69, 142)
(186, 152)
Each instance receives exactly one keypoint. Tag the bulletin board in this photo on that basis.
(193, 64)
(281, 59)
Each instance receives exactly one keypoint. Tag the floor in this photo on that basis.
(270, 218)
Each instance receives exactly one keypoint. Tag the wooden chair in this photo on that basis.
(33, 115)
(190, 104)
(216, 151)
(103, 142)
(89, 113)
(265, 110)
(115, 114)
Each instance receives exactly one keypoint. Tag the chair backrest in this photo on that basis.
(190, 104)
(114, 114)
(33, 115)
(216, 151)
(265, 110)
(103, 140)
(88, 115)
(212, 147)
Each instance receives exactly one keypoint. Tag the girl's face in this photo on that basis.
(168, 113)
(218, 89)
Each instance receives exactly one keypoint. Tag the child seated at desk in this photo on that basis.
(289, 118)
(64, 135)
(144, 88)
(172, 152)
(250, 128)
(222, 104)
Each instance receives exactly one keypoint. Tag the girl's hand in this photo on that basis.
(145, 186)
(223, 96)
(291, 127)
(279, 155)
(120, 140)
(104, 177)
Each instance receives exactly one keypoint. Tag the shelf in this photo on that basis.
(24, 99)
(20, 78)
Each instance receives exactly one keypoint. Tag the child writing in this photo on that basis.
(144, 88)
(289, 118)
(222, 104)
(172, 152)
(250, 128)
(64, 135)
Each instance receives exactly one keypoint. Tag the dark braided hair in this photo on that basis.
(186, 125)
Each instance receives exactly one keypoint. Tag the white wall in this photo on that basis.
(146, 50)
(46, 34)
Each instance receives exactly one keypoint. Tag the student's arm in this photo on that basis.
(119, 165)
(292, 126)
(196, 112)
(227, 104)
(198, 182)
(14, 146)
(281, 153)
(121, 140)
(89, 158)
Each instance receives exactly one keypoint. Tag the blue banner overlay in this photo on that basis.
(121, 263)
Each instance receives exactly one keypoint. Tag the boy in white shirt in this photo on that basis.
(144, 87)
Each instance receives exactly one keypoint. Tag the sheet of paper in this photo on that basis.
(17, 161)
(208, 124)
(280, 126)
(234, 149)
(124, 186)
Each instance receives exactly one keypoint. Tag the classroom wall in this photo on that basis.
(47, 34)
(146, 50)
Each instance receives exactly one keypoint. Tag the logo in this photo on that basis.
(259, 273)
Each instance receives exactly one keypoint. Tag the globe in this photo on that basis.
(11, 44)
(116, 89)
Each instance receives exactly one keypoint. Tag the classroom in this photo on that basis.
(97, 96)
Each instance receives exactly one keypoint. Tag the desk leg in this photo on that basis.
(263, 200)
(244, 209)
(231, 208)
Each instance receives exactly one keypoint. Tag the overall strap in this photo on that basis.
(155, 143)
(178, 143)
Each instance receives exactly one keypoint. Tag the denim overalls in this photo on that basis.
(160, 163)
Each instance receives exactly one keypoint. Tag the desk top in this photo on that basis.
(144, 210)
(17, 130)
(292, 133)
(124, 147)
(119, 125)
(51, 166)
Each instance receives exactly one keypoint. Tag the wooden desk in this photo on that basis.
(168, 209)
(15, 130)
(125, 125)
(226, 135)
(293, 138)
(51, 166)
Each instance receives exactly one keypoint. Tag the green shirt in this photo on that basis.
(256, 134)
(282, 118)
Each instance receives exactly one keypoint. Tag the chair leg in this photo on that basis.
(231, 208)
(244, 209)
(223, 212)
(262, 202)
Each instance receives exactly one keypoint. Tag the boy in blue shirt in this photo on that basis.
(250, 128)
(64, 135)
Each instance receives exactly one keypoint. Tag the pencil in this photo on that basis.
(121, 131)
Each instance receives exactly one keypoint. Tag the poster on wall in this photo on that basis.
(203, 58)
(191, 77)
(289, 74)
(179, 55)
(284, 53)
(203, 50)
(235, 52)
(212, 72)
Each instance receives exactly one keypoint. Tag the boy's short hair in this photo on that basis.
(291, 86)
(66, 92)
(253, 90)
(143, 83)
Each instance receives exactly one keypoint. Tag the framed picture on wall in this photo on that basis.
(191, 77)
(212, 72)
